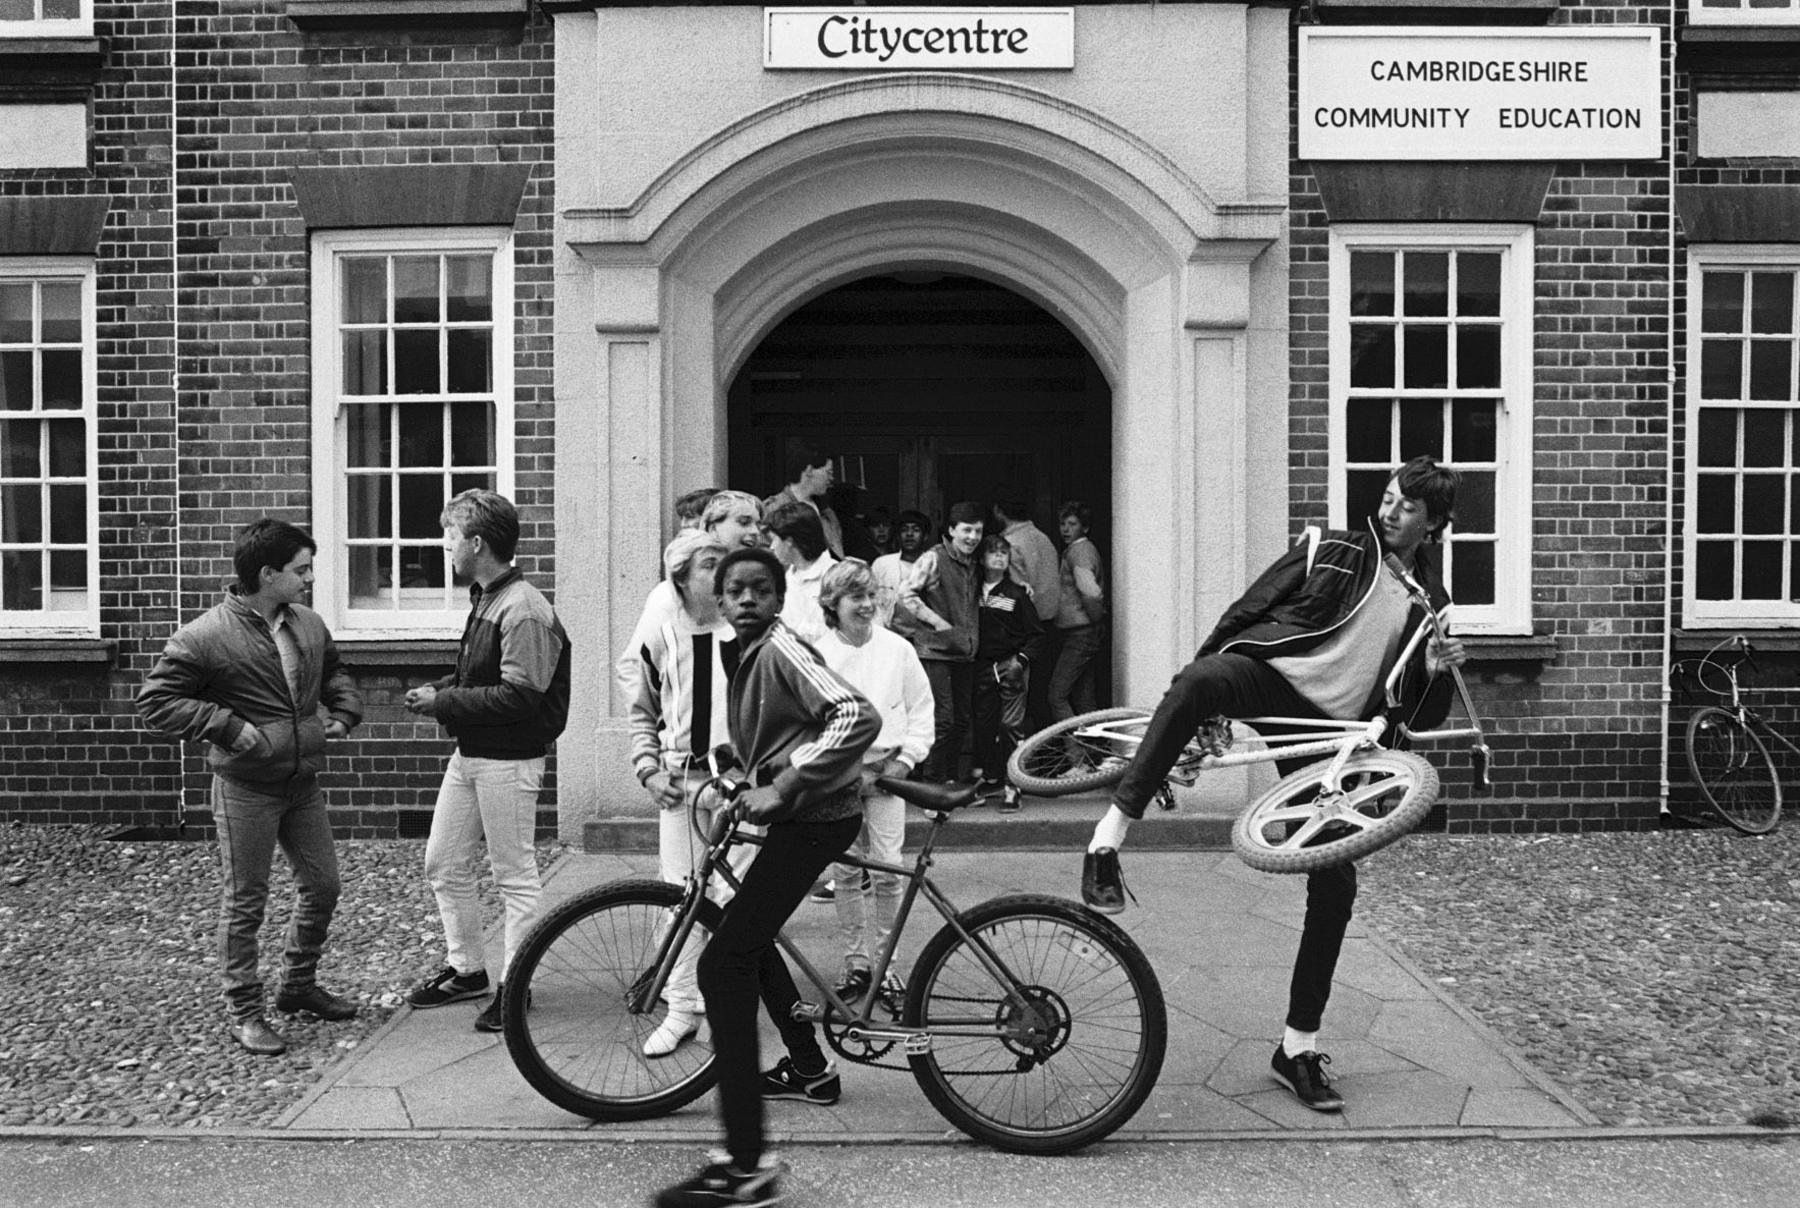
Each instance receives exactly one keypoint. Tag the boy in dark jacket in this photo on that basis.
(258, 678)
(1315, 636)
(1010, 641)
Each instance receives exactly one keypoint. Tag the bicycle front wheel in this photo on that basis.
(1304, 823)
(1733, 769)
(568, 1019)
(1059, 759)
(1058, 1070)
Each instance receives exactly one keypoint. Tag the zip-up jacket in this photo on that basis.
(509, 695)
(797, 725)
(1310, 591)
(945, 582)
(1009, 624)
(222, 670)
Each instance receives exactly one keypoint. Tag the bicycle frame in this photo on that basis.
(1733, 699)
(859, 1024)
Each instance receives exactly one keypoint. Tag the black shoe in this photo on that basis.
(854, 985)
(721, 1183)
(823, 892)
(447, 986)
(1102, 885)
(256, 1035)
(987, 786)
(786, 1082)
(316, 1000)
(493, 1016)
(1305, 1076)
(1010, 801)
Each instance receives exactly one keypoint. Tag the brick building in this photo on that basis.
(334, 260)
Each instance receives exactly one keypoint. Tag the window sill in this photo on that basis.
(61, 651)
(1529, 648)
(314, 15)
(398, 652)
(1699, 641)
(49, 69)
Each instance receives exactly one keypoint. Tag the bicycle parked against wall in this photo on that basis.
(1725, 756)
(1030, 1022)
(1359, 800)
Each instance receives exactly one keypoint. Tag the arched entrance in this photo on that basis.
(927, 387)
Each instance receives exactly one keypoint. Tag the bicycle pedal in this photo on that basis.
(807, 1012)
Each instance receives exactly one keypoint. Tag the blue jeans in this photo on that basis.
(1071, 689)
(252, 819)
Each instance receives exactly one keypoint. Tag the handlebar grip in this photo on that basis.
(1748, 651)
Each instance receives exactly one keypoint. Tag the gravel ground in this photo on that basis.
(109, 956)
(1656, 976)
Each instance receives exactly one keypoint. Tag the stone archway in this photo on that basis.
(916, 172)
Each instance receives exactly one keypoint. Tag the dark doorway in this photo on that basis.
(929, 388)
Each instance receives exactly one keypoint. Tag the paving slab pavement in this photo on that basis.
(1221, 937)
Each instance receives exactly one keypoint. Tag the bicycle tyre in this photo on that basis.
(1040, 765)
(566, 1020)
(1267, 838)
(1103, 1026)
(1733, 769)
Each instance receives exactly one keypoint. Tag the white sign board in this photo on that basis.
(1442, 94)
(911, 39)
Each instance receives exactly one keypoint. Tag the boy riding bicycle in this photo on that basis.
(1315, 636)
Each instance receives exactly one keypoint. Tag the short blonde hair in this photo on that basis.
(727, 502)
(849, 575)
(679, 554)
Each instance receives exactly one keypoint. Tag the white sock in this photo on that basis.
(1111, 830)
(1295, 1043)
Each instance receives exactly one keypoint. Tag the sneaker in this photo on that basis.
(447, 986)
(786, 1082)
(676, 1027)
(1305, 1076)
(493, 1016)
(892, 994)
(825, 893)
(1102, 884)
(720, 1183)
(854, 984)
(1011, 801)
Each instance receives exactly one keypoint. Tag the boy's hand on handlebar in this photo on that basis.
(1442, 652)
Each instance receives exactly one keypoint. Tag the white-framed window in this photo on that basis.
(46, 18)
(412, 403)
(1431, 331)
(49, 506)
(1741, 532)
(1743, 12)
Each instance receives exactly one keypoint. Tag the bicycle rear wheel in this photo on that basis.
(1733, 769)
(1059, 759)
(1064, 1068)
(568, 1020)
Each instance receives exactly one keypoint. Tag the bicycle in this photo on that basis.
(1357, 801)
(1030, 1022)
(1727, 760)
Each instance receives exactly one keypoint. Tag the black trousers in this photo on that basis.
(742, 964)
(1236, 685)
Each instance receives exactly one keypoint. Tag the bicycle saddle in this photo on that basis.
(928, 796)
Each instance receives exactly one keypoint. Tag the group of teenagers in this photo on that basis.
(814, 698)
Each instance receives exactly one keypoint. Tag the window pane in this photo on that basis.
(1472, 572)
(1478, 358)
(365, 291)
(416, 362)
(422, 436)
(368, 575)
(1474, 432)
(421, 503)
(1714, 570)
(1427, 283)
(1362, 498)
(15, 313)
(68, 579)
(470, 482)
(1765, 437)
(1366, 430)
(1421, 428)
(422, 566)
(68, 448)
(68, 515)
(22, 580)
(366, 440)
(470, 366)
(62, 10)
(472, 434)
(1718, 436)
(1762, 570)
(16, 10)
(20, 456)
(468, 289)
(62, 379)
(1478, 283)
(1372, 356)
(61, 303)
(1721, 369)
(365, 362)
(1371, 283)
(368, 512)
(1722, 302)
(15, 381)
(1765, 503)
(1427, 358)
(415, 289)
(22, 514)
(1475, 502)
(1771, 370)
(1715, 509)
(1772, 302)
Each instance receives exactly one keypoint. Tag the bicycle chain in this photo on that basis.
(836, 1036)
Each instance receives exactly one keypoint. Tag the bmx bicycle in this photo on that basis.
(1030, 1022)
(1358, 800)
(1727, 759)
